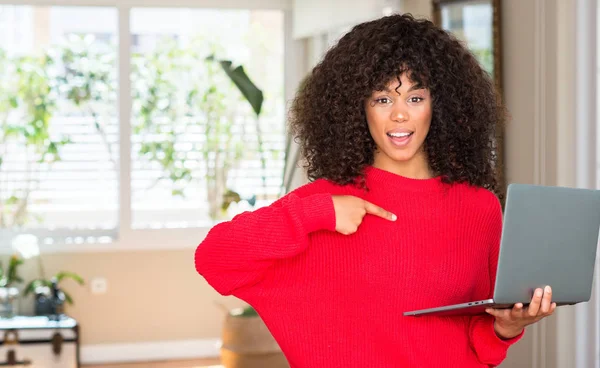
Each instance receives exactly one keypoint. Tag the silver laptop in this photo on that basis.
(549, 237)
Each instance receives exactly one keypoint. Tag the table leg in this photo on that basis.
(77, 349)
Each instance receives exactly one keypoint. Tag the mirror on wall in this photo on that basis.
(477, 23)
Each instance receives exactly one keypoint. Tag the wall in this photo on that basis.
(519, 70)
(418, 8)
(152, 296)
(549, 89)
(312, 17)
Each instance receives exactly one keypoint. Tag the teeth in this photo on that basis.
(400, 135)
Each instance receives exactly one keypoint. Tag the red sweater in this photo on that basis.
(332, 300)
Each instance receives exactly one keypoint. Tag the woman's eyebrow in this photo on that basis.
(414, 87)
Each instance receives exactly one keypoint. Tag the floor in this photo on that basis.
(197, 363)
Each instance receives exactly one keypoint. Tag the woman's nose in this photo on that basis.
(399, 114)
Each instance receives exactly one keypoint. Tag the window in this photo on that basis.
(58, 127)
(199, 151)
(194, 137)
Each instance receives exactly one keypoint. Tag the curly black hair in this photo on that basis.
(328, 119)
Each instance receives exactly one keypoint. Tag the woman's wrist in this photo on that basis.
(507, 333)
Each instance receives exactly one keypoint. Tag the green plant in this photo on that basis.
(88, 81)
(218, 190)
(155, 107)
(188, 85)
(209, 90)
(35, 285)
(10, 276)
(243, 312)
(27, 103)
(255, 98)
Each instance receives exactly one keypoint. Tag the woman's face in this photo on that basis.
(399, 120)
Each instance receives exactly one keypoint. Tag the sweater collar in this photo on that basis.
(378, 177)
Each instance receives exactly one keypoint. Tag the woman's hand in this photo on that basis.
(511, 322)
(350, 211)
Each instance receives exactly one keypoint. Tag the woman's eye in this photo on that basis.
(415, 99)
(383, 100)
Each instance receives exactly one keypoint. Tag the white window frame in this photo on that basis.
(127, 238)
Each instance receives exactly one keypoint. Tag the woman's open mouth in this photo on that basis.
(400, 139)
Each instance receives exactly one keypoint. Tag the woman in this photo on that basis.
(396, 125)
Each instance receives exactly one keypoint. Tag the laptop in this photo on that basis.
(549, 237)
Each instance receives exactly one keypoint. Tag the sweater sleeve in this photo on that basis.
(236, 254)
(489, 348)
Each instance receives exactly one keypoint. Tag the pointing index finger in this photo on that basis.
(378, 211)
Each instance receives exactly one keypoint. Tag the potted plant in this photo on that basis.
(50, 299)
(247, 342)
(9, 293)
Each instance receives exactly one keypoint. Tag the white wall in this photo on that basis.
(314, 17)
(418, 8)
(525, 152)
(549, 89)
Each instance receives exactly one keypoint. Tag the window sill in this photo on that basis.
(130, 240)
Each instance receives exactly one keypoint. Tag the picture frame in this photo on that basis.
(478, 24)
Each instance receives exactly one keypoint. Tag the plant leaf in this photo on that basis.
(238, 76)
(30, 288)
(246, 312)
(71, 275)
(68, 298)
(34, 284)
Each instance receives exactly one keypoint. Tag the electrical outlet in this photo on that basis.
(99, 285)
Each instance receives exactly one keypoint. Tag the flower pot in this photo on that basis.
(247, 343)
(9, 302)
(49, 302)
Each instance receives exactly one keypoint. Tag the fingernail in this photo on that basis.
(394, 218)
(548, 289)
(538, 292)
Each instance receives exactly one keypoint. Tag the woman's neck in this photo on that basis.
(415, 168)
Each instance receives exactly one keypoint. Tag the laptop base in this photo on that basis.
(463, 309)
